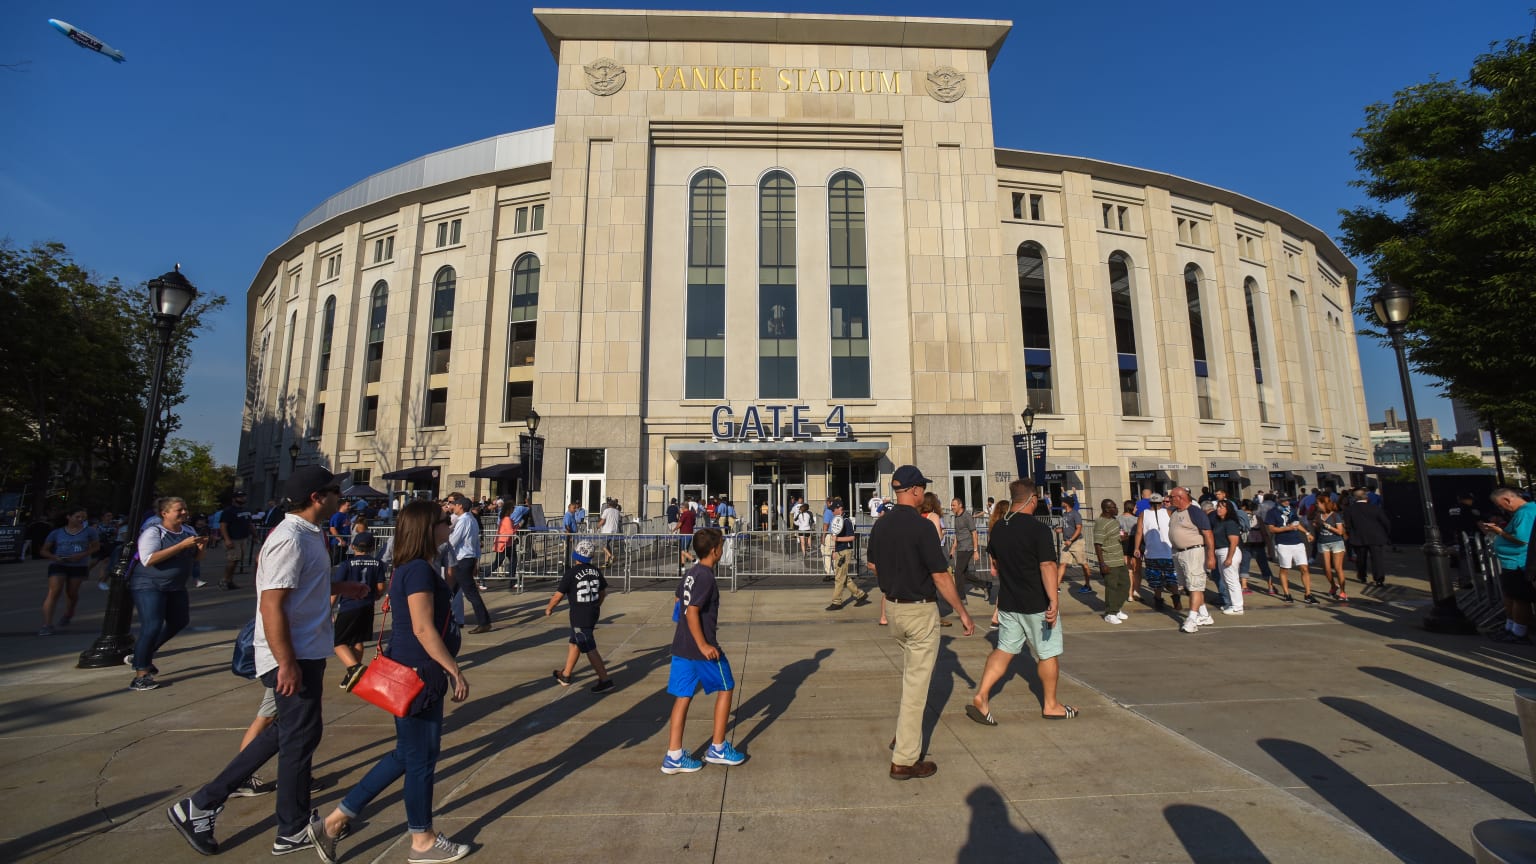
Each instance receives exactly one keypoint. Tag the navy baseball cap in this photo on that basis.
(908, 476)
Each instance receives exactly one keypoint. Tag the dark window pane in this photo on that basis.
(437, 407)
(850, 377)
(519, 401)
(1120, 297)
(1032, 297)
(966, 459)
(370, 419)
(587, 461)
(1196, 318)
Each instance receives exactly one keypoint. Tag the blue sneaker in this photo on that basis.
(683, 764)
(723, 754)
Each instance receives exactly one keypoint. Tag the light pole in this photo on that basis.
(293, 457)
(533, 451)
(1393, 304)
(171, 295)
(1028, 416)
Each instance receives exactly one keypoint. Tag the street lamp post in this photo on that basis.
(171, 296)
(533, 450)
(1393, 304)
(1028, 416)
(293, 457)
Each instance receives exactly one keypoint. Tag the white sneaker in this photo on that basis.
(1228, 610)
(1122, 616)
(1112, 619)
(1190, 625)
(1205, 617)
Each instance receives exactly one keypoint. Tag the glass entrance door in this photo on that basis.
(790, 496)
(862, 493)
(760, 506)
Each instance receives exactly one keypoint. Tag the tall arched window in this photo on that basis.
(441, 340)
(1034, 309)
(1197, 342)
(373, 352)
(777, 309)
(522, 334)
(373, 357)
(293, 327)
(327, 330)
(1125, 333)
(1250, 300)
(704, 355)
(850, 287)
(1308, 365)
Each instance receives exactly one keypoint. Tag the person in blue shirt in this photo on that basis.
(340, 531)
(584, 584)
(1511, 545)
(575, 520)
(697, 660)
(1291, 537)
(353, 626)
(68, 550)
(520, 514)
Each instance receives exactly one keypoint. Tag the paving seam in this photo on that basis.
(714, 853)
(1260, 781)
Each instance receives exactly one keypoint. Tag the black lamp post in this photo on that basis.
(533, 450)
(1028, 416)
(171, 296)
(293, 457)
(1393, 304)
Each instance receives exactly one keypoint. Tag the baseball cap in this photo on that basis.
(908, 476)
(584, 551)
(1157, 498)
(364, 541)
(837, 503)
(308, 480)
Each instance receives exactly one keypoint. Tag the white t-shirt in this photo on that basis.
(295, 557)
(874, 505)
(1154, 533)
(610, 523)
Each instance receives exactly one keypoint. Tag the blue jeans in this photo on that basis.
(162, 614)
(417, 741)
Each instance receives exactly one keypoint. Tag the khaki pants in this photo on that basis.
(841, 580)
(916, 628)
(828, 553)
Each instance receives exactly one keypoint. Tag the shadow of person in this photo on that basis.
(1210, 835)
(991, 837)
(946, 669)
(772, 701)
(1377, 815)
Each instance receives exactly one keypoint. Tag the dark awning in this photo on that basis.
(499, 471)
(362, 490)
(420, 474)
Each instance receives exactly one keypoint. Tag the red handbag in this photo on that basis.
(390, 685)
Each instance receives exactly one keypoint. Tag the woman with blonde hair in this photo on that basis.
(169, 549)
(1329, 528)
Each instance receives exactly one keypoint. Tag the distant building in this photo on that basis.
(1468, 425)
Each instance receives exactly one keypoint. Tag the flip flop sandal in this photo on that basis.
(1071, 712)
(974, 713)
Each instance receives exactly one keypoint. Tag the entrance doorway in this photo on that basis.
(760, 496)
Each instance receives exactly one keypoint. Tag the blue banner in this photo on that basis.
(1029, 453)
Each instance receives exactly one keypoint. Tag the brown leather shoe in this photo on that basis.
(907, 772)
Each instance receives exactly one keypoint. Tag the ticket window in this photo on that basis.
(1153, 481)
(1282, 482)
(1226, 481)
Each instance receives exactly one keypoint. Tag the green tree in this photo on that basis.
(189, 471)
(1408, 473)
(74, 376)
(1451, 169)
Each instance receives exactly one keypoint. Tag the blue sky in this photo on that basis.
(230, 121)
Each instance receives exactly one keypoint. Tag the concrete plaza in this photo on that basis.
(1338, 733)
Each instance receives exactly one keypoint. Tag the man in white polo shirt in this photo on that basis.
(293, 640)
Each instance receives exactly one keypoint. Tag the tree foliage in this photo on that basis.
(188, 470)
(1408, 473)
(1451, 169)
(74, 377)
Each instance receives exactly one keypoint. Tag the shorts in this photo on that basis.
(1191, 568)
(688, 676)
(1516, 585)
(1330, 547)
(584, 639)
(68, 571)
(268, 706)
(687, 541)
(1290, 556)
(354, 626)
(1014, 629)
(1159, 573)
(1073, 553)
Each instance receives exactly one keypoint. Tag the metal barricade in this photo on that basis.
(1482, 597)
(633, 560)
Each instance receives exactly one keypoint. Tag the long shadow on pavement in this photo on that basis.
(1496, 717)
(945, 670)
(1374, 813)
(1210, 836)
(62, 833)
(991, 836)
(1497, 676)
(772, 701)
(1506, 786)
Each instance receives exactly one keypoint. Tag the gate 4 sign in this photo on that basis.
(774, 422)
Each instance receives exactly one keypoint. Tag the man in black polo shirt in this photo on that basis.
(913, 572)
(1023, 554)
(235, 526)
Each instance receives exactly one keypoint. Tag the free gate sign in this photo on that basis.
(774, 422)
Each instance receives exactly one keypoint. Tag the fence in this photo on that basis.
(1482, 597)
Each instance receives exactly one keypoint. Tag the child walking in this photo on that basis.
(586, 587)
(354, 618)
(697, 660)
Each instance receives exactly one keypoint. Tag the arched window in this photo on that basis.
(1309, 364)
(850, 287)
(373, 357)
(1034, 309)
(1125, 333)
(1197, 342)
(704, 331)
(522, 334)
(441, 339)
(777, 309)
(293, 327)
(327, 329)
(1250, 290)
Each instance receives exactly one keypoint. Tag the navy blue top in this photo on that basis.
(419, 577)
(363, 569)
(697, 589)
(582, 585)
(1281, 518)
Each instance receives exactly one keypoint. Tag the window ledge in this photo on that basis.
(1213, 422)
(444, 248)
(1139, 418)
(1272, 426)
(433, 428)
(365, 434)
(377, 264)
(862, 403)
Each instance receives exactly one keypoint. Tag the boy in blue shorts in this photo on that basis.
(586, 587)
(697, 660)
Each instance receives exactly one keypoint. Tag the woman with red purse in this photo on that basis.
(425, 638)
